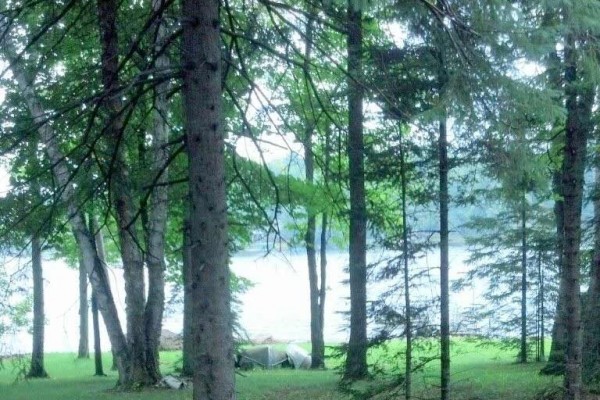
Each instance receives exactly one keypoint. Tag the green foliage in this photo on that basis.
(15, 301)
(495, 261)
(460, 62)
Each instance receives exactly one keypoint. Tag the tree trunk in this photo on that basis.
(84, 346)
(356, 360)
(444, 200)
(541, 354)
(323, 273)
(444, 262)
(188, 325)
(523, 352)
(323, 249)
(591, 323)
(210, 278)
(316, 330)
(542, 316)
(158, 205)
(577, 126)
(408, 312)
(37, 370)
(99, 241)
(122, 199)
(556, 359)
(101, 289)
(98, 368)
(84, 238)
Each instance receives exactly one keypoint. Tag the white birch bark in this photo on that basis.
(84, 238)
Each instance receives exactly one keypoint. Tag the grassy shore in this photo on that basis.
(478, 372)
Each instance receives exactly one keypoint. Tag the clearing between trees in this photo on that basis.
(481, 370)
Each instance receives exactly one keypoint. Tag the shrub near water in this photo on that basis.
(478, 372)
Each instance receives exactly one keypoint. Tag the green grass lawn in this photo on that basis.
(478, 373)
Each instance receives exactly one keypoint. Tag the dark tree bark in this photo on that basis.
(523, 352)
(578, 105)
(556, 359)
(188, 322)
(323, 273)
(356, 360)
(444, 262)
(323, 242)
(142, 372)
(99, 240)
(591, 323)
(210, 278)
(541, 309)
(405, 257)
(444, 200)
(542, 314)
(316, 319)
(98, 368)
(36, 369)
(84, 346)
(155, 240)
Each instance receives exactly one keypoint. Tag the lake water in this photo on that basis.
(277, 306)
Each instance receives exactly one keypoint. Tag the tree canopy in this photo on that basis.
(403, 126)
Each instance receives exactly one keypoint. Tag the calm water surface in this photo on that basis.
(277, 306)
